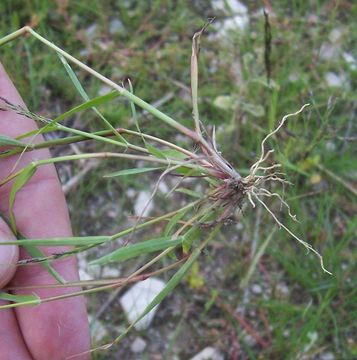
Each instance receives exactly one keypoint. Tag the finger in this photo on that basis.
(51, 330)
(9, 255)
(12, 345)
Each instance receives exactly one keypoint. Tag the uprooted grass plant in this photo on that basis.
(188, 229)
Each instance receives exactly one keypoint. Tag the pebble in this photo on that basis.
(208, 353)
(110, 272)
(138, 345)
(234, 6)
(115, 26)
(97, 329)
(239, 21)
(256, 289)
(91, 31)
(350, 60)
(327, 356)
(143, 201)
(334, 80)
(138, 297)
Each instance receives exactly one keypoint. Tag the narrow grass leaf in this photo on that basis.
(7, 141)
(134, 250)
(70, 241)
(87, 105)
(174, 220)
(188, 171)
(189, 192)
(73, 77)
(190, 237)
(255, 260)
(131, 171)
(36, 253)
(134, 113)
(85, 96)
(154, 151)
(33, 299)
(19, 183)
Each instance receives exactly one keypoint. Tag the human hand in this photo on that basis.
(53, 330)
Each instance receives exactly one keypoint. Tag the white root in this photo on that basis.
(304, 243)
(253, 180)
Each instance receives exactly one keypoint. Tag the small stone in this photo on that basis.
(163, 188)
(104, 89)
(350, 60)
(208, 353)
(98, 330)
(327, 356)
(234, 6)
(334, 80)
(130, 193)
(110, 272)
(138, 345)
(138, 297)
(143, 204)
(329, 52)
(282, 290)
(256, 289)
(115, 26)
(91, 31)
(336, 35)
(249, 340)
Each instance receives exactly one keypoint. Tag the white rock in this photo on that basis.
(97, 329)
(91, 31)
(239, 22)
(110, 272)
(208, 353)
(249, 340)
(256, 289)
(327, 356)
(163, 188)
(330, 145)
(104, 89)
(334, 80)
(350, 60)
(116, 26)
(138, 297)
(282, 289)
(138, 345)
(86, 272)
(329, 52)
(143, 201)
(336, 35)
(230, 5)
(130, 193)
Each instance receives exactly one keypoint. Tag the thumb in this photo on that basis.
(9, 254)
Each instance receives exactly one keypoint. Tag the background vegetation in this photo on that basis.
(282, 306)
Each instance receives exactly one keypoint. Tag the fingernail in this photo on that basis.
(9, 254)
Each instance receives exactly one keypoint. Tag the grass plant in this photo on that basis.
(188, 230)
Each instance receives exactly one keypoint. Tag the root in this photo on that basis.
(264, 156)
(304, 243)
(254, 190)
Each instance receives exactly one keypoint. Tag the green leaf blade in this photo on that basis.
(134, 250)
(20, 181)
(134, 171)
